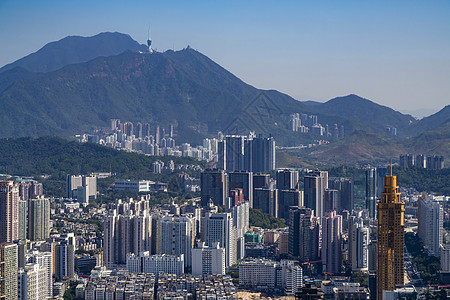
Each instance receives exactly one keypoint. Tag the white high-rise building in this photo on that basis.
(176, 237)
(359, 238)
(146, 263)
(208, 260)
(289, 276)
(8, 270)
(32, 283)
(240, 214)
(45, 261)
(89, 183)
(430, 230)
(219, 228)
(260, 273)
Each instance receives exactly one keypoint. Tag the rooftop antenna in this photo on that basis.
(391, 166)
(149, 41)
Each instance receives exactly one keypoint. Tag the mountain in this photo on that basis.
(75, 49)
(358, 147)
(431, 123)
(182, 87)
(356, 107)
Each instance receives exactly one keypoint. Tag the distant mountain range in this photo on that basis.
(74, 50)
(76, 84)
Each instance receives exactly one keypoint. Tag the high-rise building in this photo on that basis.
(176, 237)
(358, 245)
(219, 229)
(146, 263)
(32, 282)
(445, 258)
(208, 260)
(421, 161)
(390, 237)
(241, 214)
(125, 233)
(431, 218)
(146, 131)
(214, 186)
(331, 200)
(268, 275)
(29, 189)
(45, 261)
(236, 197)
(258, 273)
(286, 199)
(9, 211)
(65, 258)
(261, 180)
(287, 179)
(262, 154)
(364, 186)
(138, 131)
(381, 172)
(266, 199)
(303, 234)
(8, 271)
(128, 128)
(344, 188)
(242, 153)
(80, 185)
(23, 219)
(231, 153)
(315, 184)
(243, 180)
(39, 219)
(435, 162)
(406, 161)
(331, 243)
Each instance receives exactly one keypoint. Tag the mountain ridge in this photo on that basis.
(75, 49)
(184, 88)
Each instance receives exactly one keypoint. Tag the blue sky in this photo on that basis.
(396, 53)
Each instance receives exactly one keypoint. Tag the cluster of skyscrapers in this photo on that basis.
(132, 227)
(305, 123)
(422, 161)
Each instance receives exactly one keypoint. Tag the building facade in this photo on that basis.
(39, 219)
(9, 212)
(390, 237)
(208, 260)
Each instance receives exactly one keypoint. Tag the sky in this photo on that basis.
(395, 53)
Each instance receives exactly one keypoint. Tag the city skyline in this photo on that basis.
(394, 54)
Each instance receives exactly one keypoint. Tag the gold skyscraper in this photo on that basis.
(391, 238)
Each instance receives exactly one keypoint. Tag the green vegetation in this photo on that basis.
(69, 294)
(438, 295)
(263, 220)
(427, 265)
(57, 158)
(425, 180)
(340, 171)
(360, 277)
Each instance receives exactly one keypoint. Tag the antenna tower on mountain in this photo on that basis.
(149, 42)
